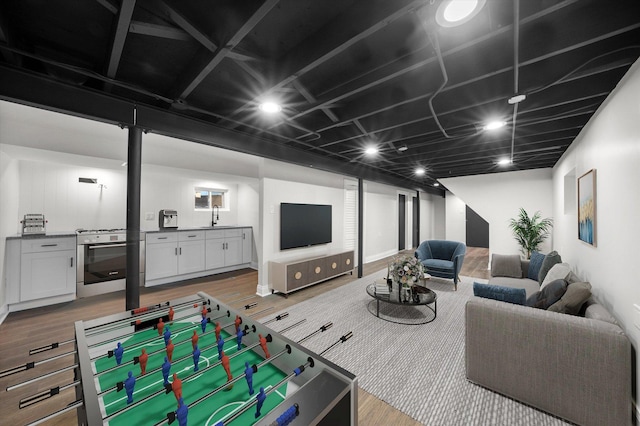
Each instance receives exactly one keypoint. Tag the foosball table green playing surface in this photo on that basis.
(197, 361)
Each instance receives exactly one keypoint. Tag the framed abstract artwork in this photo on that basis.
(587, 207)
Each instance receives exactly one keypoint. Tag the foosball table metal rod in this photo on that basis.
(115, 324)
(341, 340)
(284, 330)
(33, 364)
(38, 378)
(253, 314)
(74, 405)
(44, 395)
(51, 346)
(320, 330)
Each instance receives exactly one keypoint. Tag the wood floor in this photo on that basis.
(24, 330)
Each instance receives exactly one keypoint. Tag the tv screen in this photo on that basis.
(303, 225)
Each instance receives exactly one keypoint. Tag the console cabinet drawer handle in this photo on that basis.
(48, 245)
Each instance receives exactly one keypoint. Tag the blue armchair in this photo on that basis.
(442, 258)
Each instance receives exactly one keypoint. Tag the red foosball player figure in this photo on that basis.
(160, 326)
(171, 313)
(169, 348)
(227, 368)
(263, 345)
(176, 387)
(142, 359)
(204, 311)
(194, 339)
(237, 322)
(218, 330)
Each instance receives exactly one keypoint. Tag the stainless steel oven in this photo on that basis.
(102, 261)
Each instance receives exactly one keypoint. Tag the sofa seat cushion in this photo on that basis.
(530, 286)
(445, 265)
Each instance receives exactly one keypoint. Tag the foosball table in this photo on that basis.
(196, 361)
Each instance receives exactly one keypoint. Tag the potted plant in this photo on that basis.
(530, 231)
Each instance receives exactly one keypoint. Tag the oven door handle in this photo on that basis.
(107, 246)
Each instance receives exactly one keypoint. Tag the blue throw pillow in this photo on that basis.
(549, 294)
(517, 296)
(535, 262)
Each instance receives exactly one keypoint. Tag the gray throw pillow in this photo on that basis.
(549, 260)
(573, 299)
(506, 265)
(548, 295)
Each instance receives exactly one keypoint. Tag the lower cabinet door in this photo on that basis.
(233, 251)
(161, 260)
(214, 257)
(191, 256)
(47, 274)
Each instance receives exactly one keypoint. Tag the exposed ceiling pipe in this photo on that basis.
(516, 70)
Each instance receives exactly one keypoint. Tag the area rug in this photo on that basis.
(418, 369)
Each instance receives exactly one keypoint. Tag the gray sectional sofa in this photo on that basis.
(575, 367)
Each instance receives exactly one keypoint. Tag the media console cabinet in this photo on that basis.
(286, 276)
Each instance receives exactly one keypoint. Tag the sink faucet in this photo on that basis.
(215, 215)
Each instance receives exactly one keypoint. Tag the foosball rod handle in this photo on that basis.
(50, 347)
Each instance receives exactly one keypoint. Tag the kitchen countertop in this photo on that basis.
(197, 228)
(47, 235)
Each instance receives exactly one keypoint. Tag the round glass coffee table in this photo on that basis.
(418, 308)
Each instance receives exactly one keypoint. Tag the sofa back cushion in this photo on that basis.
(506, 265)
(535, 262)
(549, 260)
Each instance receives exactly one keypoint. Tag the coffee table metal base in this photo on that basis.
(408, 314)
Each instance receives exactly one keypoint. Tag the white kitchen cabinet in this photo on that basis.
(40, 271)
(247, 245)
(214, 252)
(174, 253)
(191, 252)
(161, 260)
(179, 255)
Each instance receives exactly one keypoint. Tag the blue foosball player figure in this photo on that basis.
(248, 374)
(167, 335)
(239, 335)
(220, 347)
(118, 352)
(166, 370)
(196, 358)
(260, 397)
(181, 413)
(203, 324)
(129, 384)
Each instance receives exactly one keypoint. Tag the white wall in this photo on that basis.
(456, 222)
(380, 224)
(498, 197)
(9, 217)
(609, 143)
(428, 206)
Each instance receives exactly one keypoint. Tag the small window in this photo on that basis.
(206, 198)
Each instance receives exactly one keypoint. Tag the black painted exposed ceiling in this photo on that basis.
(349, 73)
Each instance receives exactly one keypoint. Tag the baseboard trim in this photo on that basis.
(4, 312)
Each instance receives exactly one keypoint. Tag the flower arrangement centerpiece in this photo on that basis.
(406, 270)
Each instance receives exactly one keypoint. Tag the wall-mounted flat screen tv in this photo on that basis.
(303, 225)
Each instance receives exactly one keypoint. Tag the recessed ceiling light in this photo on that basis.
(403, 148)
(270, 107)
(123, 164)
(420, 171)
(504, 162)
(371, 150)
(452, 13)
(517, 99)
(436, 184)
(493, 125)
